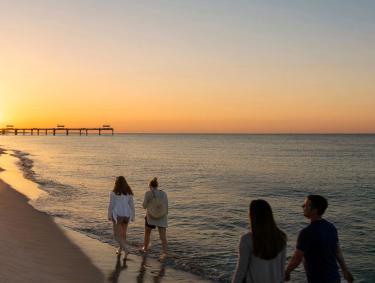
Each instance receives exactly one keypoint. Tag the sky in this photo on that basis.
(193, 66)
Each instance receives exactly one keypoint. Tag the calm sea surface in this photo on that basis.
(210, 180)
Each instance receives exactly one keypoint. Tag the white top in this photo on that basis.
(161, 222)
(121, 205)
(252, 269)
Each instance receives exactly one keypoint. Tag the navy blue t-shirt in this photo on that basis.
(319, 243)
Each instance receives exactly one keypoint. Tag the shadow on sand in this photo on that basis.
(157, 275)
(115, 274)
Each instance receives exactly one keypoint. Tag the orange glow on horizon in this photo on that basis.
(174, 76)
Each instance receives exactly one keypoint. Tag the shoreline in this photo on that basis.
(34, 248)
(41, 250)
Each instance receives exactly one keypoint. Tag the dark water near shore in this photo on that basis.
(210, 180)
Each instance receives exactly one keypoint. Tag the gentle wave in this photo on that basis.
(26, 163)
(210, 181)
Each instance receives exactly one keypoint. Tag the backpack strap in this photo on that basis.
(153, 193)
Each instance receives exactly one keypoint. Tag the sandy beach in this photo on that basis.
(34, 248)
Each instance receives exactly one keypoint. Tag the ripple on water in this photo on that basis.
(210, 181)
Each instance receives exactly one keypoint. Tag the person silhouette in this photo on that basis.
(121, 211)
(151, 222)
(262, 251)
(318, 246)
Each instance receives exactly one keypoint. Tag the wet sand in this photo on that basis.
(34, 248)
(133, 269)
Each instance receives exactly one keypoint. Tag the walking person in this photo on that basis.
(318, 246)
(120, 212)
(156, 204)
(262, 251)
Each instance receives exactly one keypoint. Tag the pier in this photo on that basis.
(57, 130)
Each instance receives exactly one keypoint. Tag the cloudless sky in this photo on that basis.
(189, 66)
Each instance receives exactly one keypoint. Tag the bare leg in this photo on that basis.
(114, 230)
(146, 242)
(116, 234)
(123, 229)
(163, 238)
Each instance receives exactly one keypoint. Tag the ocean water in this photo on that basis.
(210, 181)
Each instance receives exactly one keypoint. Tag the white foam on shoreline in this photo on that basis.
(13, 176)
(102, 255)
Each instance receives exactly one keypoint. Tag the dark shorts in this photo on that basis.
(148, 225)
(121, 220)
(151, 226)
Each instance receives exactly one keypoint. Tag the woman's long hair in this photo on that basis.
(268, 240)
(122, 187)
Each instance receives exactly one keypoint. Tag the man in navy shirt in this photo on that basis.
(318, 246)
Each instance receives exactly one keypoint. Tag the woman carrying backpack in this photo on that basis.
(156, 204)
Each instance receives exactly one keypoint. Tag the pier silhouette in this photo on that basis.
(60, 129)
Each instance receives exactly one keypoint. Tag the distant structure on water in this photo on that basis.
(11, 130)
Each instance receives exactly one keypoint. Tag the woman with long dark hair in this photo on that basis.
(121, 211)
(262, 251)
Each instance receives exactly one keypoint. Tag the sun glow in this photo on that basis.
(225, 73)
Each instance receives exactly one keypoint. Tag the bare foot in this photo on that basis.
(163, 257)
(143, 250)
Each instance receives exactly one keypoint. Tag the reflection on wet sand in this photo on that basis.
(157, 275)
(114, 276)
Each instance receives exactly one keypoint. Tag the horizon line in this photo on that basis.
(248, 133)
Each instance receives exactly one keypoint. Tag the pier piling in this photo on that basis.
(55, 131)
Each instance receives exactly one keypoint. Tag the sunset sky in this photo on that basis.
(189, 66)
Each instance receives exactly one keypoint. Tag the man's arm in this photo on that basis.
(293, 263)
(340, 259)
